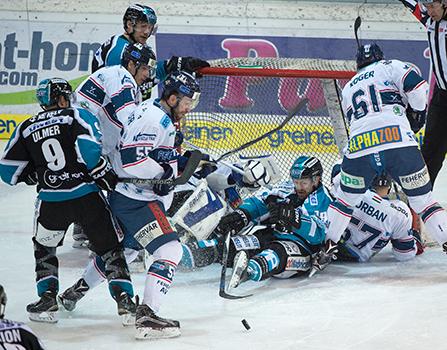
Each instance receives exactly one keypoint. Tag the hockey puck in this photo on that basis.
(246, 325)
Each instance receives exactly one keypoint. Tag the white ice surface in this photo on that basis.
(380, 305)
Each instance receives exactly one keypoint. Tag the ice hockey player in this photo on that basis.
(140, 22)
(59, 150)
(294, 213)
(15, 335)
(377, 101)
(148, 152)
(376, 221)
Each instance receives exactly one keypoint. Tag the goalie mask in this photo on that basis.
(49, 90)
(2, 302)
(306, 175)
(367, 54)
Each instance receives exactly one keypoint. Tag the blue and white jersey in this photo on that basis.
(147, 142)
(312, 212)
(61, 146)
(111, 51)
(375, 100)
(375, 222)
(112, 95)
(18, 336)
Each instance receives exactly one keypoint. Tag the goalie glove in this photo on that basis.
(233, 222)
(416, 118)
(255, 174)
(324, 257)
(103, 175)
(188, 64)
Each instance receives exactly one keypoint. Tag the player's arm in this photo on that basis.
(123, 98)
(402, 239)
(15, 163)
(90, 95)
(416, 10)
(29, 339)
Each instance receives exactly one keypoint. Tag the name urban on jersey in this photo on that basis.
(371, 211)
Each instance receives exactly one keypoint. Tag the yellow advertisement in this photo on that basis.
(8, 123)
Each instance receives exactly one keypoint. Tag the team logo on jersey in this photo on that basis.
(398, 111)
(415, 180)
(165, 121)
(376, 137)
(352, 181)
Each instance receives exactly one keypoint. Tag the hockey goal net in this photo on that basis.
(243, 98)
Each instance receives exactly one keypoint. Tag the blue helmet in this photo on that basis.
(306, 167)
(367, 54)
(49, 90)
(139, 13)
(382, 180)
(183, 84)
(140, 54)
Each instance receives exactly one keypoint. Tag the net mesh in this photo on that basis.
(235, 109)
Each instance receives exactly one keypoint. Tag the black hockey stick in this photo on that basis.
(290, 115)
(190, 168)
(357, 24)
(223, 273)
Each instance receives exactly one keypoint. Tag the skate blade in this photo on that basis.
(151, 333)
(128, 320)
(45, 317)
(239, 266)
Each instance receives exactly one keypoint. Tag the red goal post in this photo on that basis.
(242, 98)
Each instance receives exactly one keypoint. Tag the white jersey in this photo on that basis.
(375, 100)
(111, 94)
(376, 221)
(147, 141)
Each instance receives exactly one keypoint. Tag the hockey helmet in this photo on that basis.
(306, 167)
(382, 180)
(141, 54)
(182, 84)
(367, 54)
(139, 13)
(49, 90)
(3, 300)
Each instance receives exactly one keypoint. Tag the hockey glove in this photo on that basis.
(255, 174)
(104, 176)
(188, 64)
(233, 222)
(324, 257)
(416, 118)
(30, 178)
(164, 189)
(284, 215)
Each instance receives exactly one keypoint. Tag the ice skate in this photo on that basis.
(126, 308)
(150, 326)
(239, 273)
(45, 309)
(72, 295)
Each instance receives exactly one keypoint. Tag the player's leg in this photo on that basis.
(105, 237)
(356, 176)
(407, 167)
(50, 224)
(434, 147)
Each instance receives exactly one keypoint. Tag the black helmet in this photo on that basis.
(3, 300)
(367, 54)
(183, 84)
(382, 180)
(49, 90)
(306, 167)
(140, 54)
(137, 12)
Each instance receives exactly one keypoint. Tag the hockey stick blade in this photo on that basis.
(357, 24)
(290, 115)
(190, 168)
(225, 295)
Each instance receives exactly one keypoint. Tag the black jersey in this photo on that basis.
(18, 336)
(61, 146)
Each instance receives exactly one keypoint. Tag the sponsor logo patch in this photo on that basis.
(415, 180)
(352, 181)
